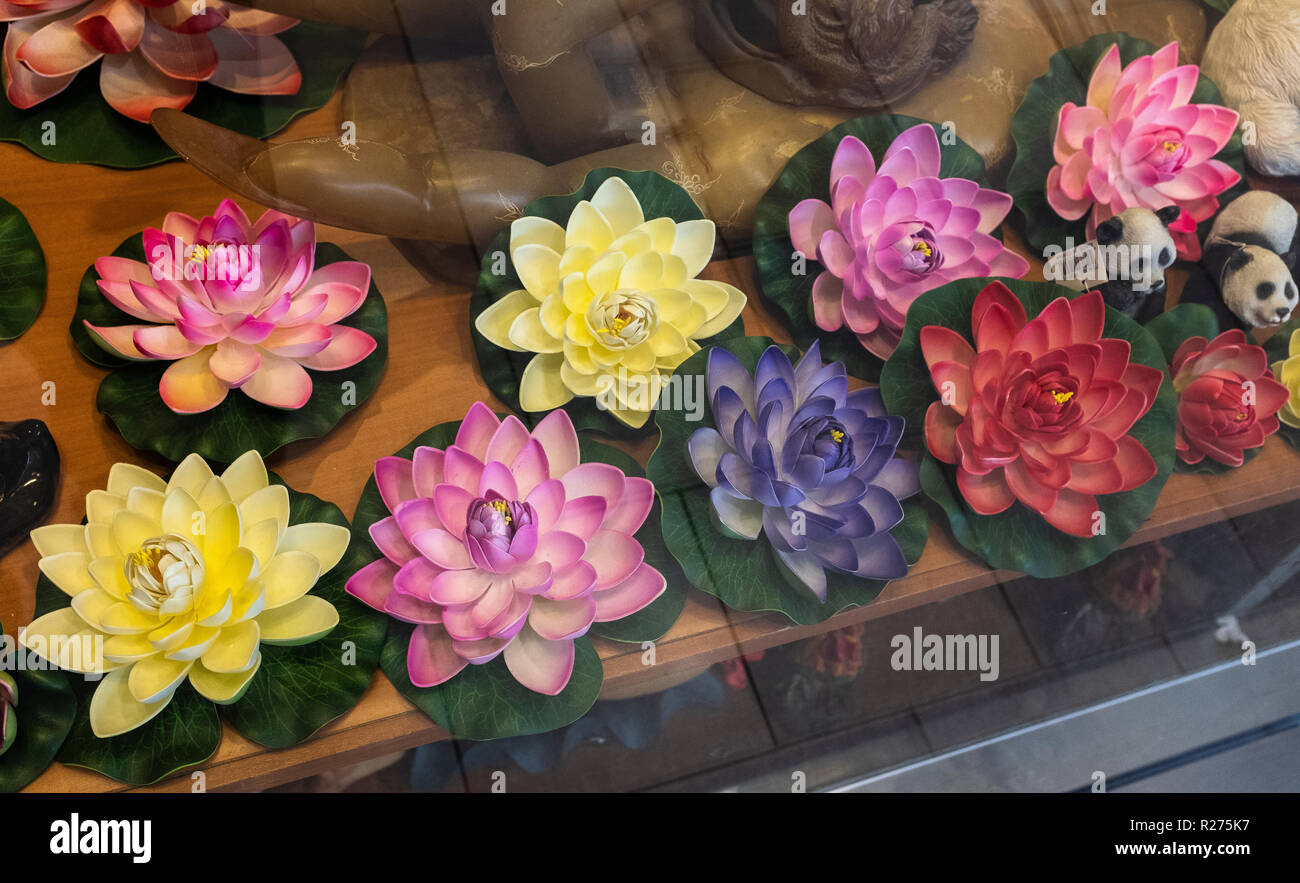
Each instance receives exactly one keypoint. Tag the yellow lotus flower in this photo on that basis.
(1287, 372)
(177, 579)
(610, 303)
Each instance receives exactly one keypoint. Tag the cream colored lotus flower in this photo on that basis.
(610, 304)
(183, 578)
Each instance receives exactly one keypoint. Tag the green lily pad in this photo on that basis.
(807, 176)
(485, 701)
(296, 691)
(1020, 539)
(502, 369)
(1170, 329)
(22, 273)
(1033, 128)
(44, 716)
(745, 574)
(87, 130)
(129, 394)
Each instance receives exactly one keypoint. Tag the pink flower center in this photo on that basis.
(920, 251)
(1047, 402)
(496, 518)
(1170, 153)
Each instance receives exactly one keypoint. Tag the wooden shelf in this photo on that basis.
(84, 212)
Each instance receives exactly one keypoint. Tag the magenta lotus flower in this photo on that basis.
(155, 52)
(891, 234)
(238, 305)
(1137, 142)
(504, 543)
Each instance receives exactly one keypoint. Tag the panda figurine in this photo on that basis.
(1248, 263)
(1126, 262)
(1141, 236)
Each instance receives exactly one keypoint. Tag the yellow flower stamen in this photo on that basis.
(1171, 146)
(1062, 397)
(837, 436)
(147, 558)
(199, 254)
(619, 323)
(924, 248)
(1240, 416)
(503, 507)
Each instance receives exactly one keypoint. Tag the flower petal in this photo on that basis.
(540, 665)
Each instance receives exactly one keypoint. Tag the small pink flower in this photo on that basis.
(1137, 142)
(155, 52)
(238, 305)
(891, 234)
(1227, 398)
(504, 543)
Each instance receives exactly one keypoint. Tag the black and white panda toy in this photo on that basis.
(1248, 263)
(1126, 262)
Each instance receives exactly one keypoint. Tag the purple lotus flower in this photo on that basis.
(891, 234)
(800, 458)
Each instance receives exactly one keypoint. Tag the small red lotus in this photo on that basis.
(1038, 411)
(1227, 398)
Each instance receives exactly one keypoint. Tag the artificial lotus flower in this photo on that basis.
(8, 711)
(798, 458)
(505, 544)
(1288, 372)
(1137, 142)
(1227, 398)
(891, 234)
(1038, 411)
(181, 579)
(155, 52)
(241, 306)
(611, 304)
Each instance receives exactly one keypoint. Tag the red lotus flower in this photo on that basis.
(1227, 398)
(1038, 411)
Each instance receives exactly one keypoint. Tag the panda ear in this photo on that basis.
(1289, 259)
(1169, 214)
(1239, 260)
(1110, 232)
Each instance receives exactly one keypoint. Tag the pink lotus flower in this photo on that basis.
(1038, 411)
(505, 543)
(239, 306)
(1227, 398)
(892, 234)
(1137, 142)
(155, 52)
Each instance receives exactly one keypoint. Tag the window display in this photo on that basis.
(762, 395)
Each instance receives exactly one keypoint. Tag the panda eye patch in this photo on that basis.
(1166, 257)
(1265, 290)
(1290, 291)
